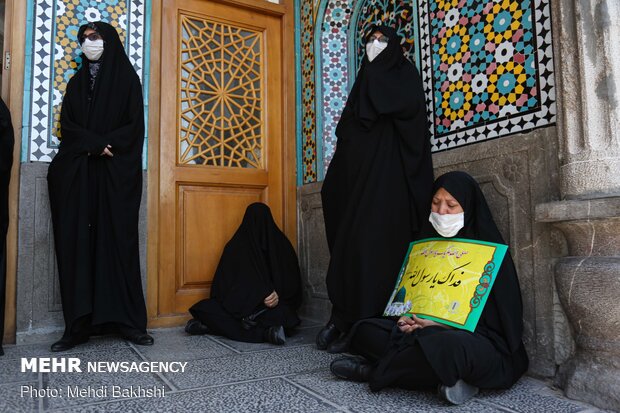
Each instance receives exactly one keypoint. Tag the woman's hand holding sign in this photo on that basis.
(409, 324)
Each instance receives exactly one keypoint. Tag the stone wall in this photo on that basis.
(588, 214)
(313, 252)
(516, 173)
(39, 309)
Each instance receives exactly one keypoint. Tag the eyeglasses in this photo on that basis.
(382, 39)
(92, 37)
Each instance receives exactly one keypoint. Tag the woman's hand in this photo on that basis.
(272, 300)
(106, 151)
(409, 324)
(406, 324)
(422, 322)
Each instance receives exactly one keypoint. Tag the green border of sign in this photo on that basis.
(482, 291)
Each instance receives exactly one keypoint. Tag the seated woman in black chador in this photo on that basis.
(257, 285)
(415, 353)
(378, 185)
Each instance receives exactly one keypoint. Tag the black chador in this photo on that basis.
(493, 356)
(6, 161)
(95, 198)
(257, 261)
(378, 186)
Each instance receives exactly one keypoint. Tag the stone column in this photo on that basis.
(588, 71)
(587, 60)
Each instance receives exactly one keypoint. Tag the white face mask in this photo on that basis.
(93, 49)
(374, 48)
(447, 225)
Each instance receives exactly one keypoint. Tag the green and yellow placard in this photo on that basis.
(446, 280)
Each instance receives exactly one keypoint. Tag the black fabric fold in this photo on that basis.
(7, 141)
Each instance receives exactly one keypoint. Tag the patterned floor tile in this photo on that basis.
(10, 372)
(274, 395)
(247, 366)
(302, 336)
(224, 376)
(43, 349)
(526, 396)
(15, 399)
(67, 383)
(357, 397)
(174, 344)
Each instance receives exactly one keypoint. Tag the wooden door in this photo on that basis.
(221, 138)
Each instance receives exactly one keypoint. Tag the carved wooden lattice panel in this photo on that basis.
(221, 95)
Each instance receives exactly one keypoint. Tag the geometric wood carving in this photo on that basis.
(221, 104)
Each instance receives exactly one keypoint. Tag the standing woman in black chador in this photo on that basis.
(378, 186)
(415, 353)
(256, 289)
(6, 162)
(95, 186)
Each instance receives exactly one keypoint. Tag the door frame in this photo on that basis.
(12, 94)
(285, 11)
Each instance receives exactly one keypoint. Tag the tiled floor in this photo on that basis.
(227, 376)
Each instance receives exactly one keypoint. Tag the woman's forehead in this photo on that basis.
(443, 193)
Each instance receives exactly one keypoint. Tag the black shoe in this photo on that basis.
(340, 345)
(67, 343)
(195, 327)
(275, 335)
(136, 336)
(250, 322)
(326, 336)
(351, 368)
(459, 393)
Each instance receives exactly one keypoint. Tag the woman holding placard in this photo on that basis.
(417, 353)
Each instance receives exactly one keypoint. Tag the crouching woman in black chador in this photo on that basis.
(416, 353)
(95, 187)
(256, 289)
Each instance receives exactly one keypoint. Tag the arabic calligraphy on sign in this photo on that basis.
(446, 280)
